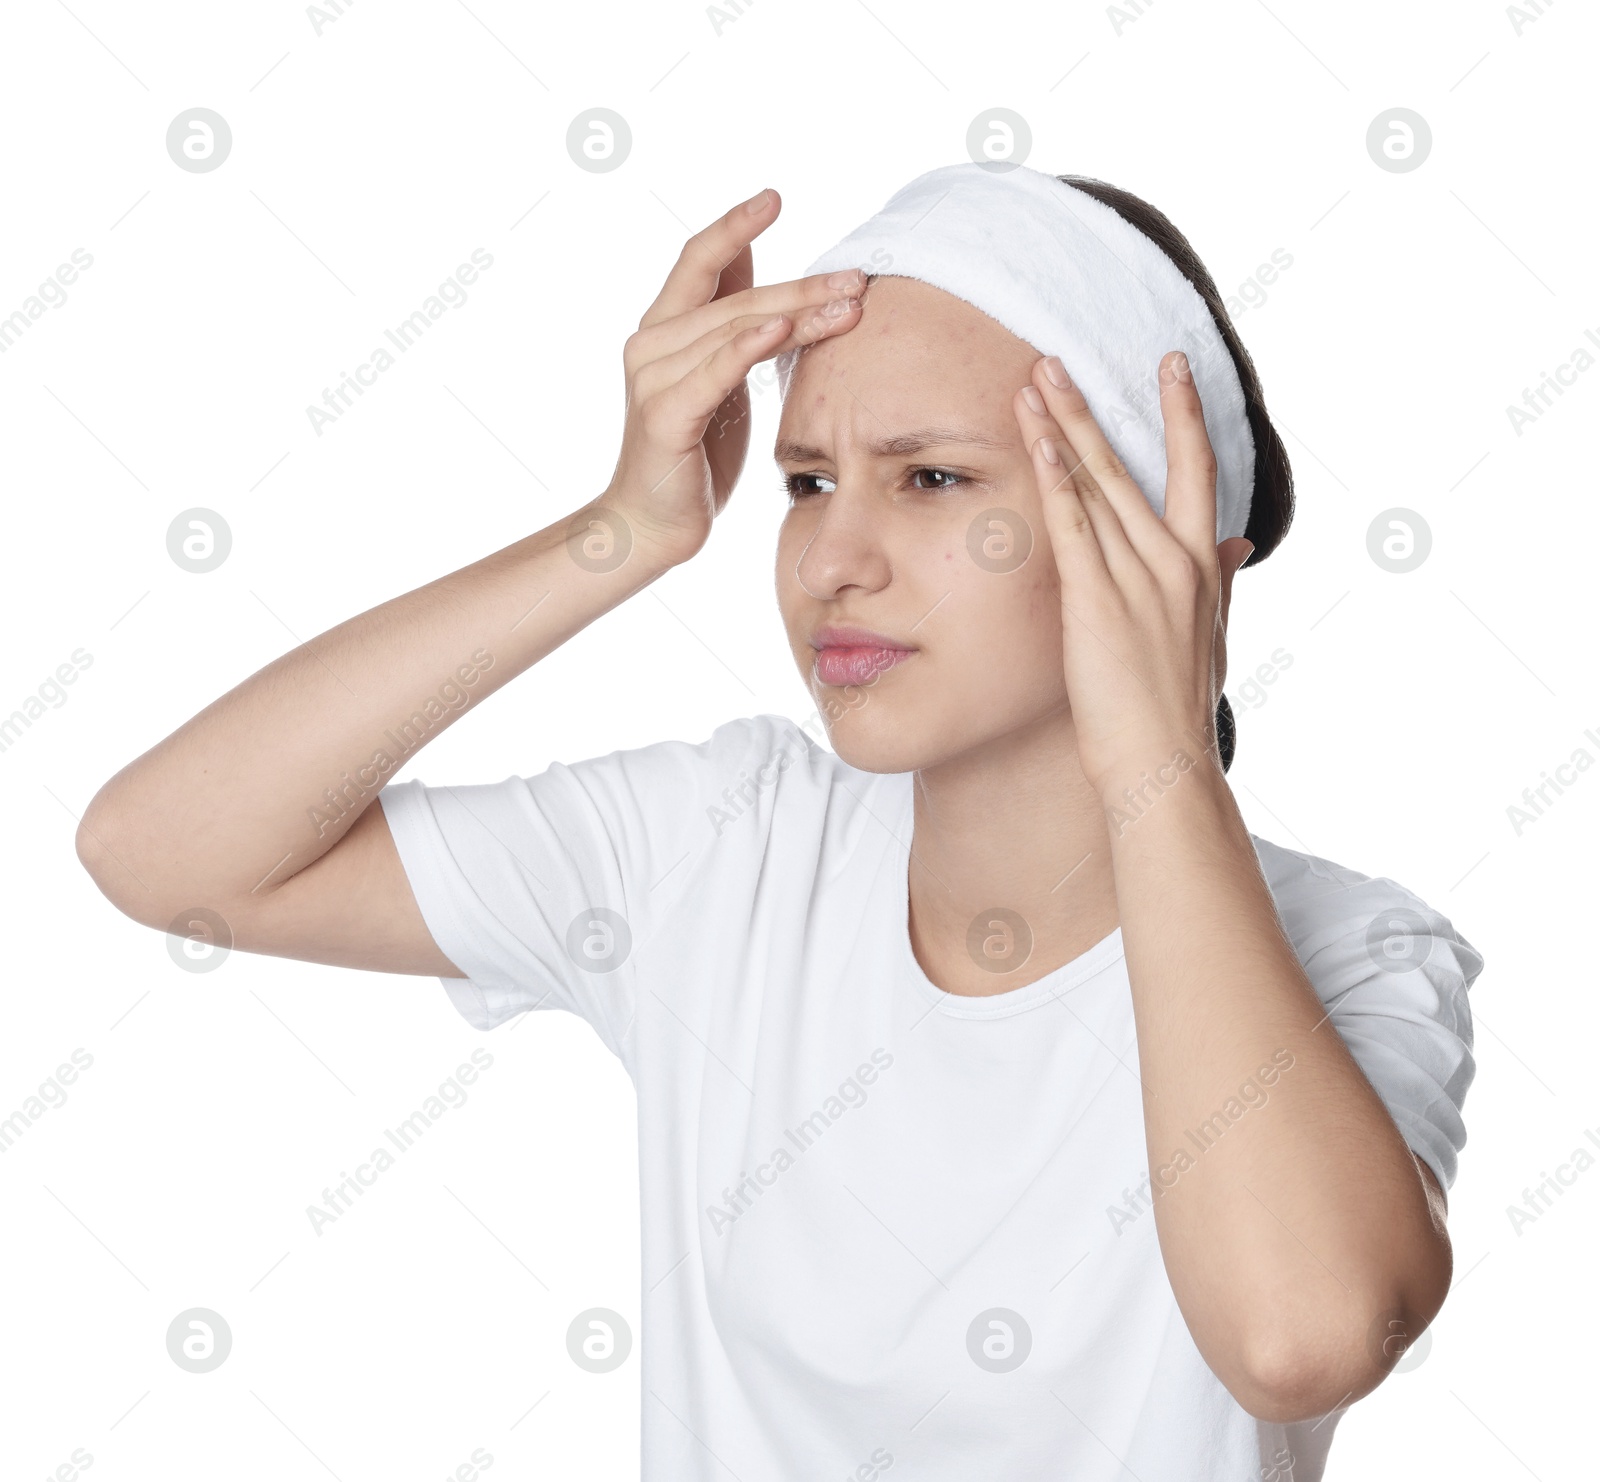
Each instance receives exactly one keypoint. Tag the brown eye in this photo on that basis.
(794, 485)
(942, 473)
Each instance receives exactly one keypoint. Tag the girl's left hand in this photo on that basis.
(1143, 596)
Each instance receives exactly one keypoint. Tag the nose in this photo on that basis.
(843, 544)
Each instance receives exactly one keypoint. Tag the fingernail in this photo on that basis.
(1180, 366)
(756, 202)
(1057, 372)
(1030, 394)
(1048, 448)
(845, 278)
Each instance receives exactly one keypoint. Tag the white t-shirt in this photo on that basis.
(885, 1226)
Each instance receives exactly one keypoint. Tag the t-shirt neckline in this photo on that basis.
(1052, 985)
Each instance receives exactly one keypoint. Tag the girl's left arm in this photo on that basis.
(1305, 1243)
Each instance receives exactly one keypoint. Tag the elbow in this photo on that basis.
(106, 864)
(1326, 1361)
(1313, 1359)
(1292, 1377)
(93, 852)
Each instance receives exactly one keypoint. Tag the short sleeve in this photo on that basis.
(1393, 974)
(542, 889)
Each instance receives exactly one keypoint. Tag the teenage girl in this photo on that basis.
(1005, 1107)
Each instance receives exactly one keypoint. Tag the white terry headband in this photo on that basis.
(1068, 275)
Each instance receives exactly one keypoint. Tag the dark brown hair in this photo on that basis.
(1272, 498)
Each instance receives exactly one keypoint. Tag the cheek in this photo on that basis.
(1006, 628)
(1044, 603)
(1022, 607)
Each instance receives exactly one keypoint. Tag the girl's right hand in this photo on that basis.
(687, 425)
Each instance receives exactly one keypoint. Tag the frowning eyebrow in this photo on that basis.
(789, 451)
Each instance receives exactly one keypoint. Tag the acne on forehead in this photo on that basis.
(961, 315)
(941, 331)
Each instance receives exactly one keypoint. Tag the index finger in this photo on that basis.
(723, 247)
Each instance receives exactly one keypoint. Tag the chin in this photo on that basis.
(877, 748)
(880, 726)
(889, 727)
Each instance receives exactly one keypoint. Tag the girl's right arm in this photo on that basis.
(259, 808)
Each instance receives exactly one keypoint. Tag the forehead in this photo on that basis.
(916, 350)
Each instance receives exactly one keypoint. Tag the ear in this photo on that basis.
(1231, 555)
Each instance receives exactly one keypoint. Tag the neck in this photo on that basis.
(1010, 859)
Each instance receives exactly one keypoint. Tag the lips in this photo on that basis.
(855, 655)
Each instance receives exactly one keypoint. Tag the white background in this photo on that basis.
(368, 161)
